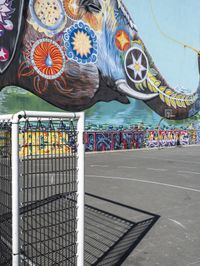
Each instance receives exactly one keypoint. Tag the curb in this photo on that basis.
(142, 149)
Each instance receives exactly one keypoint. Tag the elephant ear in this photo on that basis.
(11, 12)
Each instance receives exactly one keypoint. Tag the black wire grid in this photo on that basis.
(48, 193)
(48, 203)
(5, 194)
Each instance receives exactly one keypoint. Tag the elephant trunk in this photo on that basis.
(169, 103)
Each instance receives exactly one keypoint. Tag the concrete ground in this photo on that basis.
(165, 182)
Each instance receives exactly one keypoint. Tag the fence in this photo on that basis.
(136, 139)
(41, 189)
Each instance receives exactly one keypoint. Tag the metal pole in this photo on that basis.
(80, 192)
(5, 117)
(15, 191)
(37, 115)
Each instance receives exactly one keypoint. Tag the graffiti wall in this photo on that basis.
(44, 143)
(5, 140)
(57, 143)
(115, 140)
(131, 139)
(193, 136)
(198, 136)
(4, 136)
(165, 138)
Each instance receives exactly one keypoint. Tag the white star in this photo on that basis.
(2, 53)
(74, 6)
(137, 66)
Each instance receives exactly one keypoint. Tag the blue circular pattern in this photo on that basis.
(69, 37)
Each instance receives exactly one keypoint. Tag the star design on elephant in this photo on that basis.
(137, 66)
(4, 54)
(74, 6)
(72, 9)
(122, 40)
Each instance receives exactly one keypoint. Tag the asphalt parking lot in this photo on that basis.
(165, 182)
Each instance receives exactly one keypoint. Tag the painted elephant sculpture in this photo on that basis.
(74, 53)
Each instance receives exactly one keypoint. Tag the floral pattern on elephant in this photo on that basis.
(75, 53)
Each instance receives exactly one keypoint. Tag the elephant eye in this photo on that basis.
(92, 6)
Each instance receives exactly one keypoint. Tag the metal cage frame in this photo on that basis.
(32, 115)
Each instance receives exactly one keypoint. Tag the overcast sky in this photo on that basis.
(179, 19)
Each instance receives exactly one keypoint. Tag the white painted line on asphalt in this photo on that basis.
(197, 263)
(188, 172)
(144, 181)
(178, 223)
(128, 167)
(169, 160)
(99, 165)
(157, 169)
(184, 175)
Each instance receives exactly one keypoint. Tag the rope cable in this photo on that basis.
(167, 35)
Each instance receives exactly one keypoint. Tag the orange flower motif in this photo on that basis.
(48, 59)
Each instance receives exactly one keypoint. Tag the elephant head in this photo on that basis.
(74, 53)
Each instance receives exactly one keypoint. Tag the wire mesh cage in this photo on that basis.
(5, 193)
(41, 192)
(42, 209)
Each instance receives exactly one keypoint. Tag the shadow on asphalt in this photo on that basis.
(111, 236)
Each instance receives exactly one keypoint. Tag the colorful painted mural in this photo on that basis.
(4, 138)
(57, 143)
(166, 138)
(137, 139)
(75, 53)
(44, 143)
(198, 136)
(114, 140)
(193, 136)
